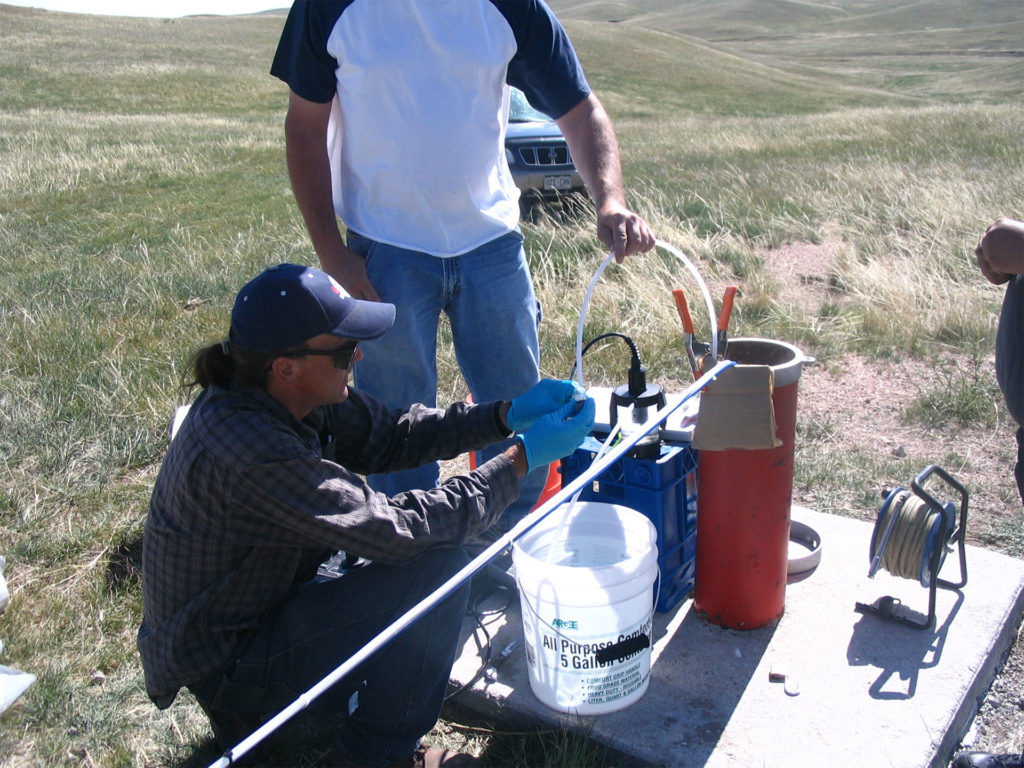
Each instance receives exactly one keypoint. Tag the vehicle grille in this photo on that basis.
(544, 155)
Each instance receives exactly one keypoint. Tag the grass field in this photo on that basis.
(142, 181)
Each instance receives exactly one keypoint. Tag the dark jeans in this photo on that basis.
(401, 687)
(1018, 470)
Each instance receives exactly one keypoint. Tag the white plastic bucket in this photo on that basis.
(588, 608)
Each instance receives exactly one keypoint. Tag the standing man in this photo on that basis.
(260, 485)
(1000, 254)
(396, 124)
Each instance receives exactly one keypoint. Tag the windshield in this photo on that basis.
(520, 111)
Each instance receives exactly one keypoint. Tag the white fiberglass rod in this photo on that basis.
(477, 563)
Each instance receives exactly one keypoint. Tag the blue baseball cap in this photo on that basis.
(288, 304)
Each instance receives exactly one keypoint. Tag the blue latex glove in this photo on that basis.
(542, 398)
(556, 435)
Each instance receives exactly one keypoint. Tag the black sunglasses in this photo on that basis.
(342, 356)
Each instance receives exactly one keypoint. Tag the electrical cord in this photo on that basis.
(637, 374)
(633, 350)
(484, 616)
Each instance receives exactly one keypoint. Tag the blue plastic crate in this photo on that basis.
(665, 491)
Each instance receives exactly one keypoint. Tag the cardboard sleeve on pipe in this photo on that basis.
(736, 411)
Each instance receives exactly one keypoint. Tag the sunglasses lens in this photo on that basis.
(343, 356)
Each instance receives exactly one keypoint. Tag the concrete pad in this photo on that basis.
(869, 692)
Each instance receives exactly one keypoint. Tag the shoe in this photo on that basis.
(988, 760)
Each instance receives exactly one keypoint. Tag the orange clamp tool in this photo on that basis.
(684, 317)
(723, 320)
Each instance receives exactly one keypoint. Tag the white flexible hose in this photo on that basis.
(471, 568)
(583, 317)
(712, 325)
(572, 502)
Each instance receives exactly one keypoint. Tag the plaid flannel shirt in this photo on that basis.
(249, 501)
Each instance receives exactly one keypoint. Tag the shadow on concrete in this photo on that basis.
(898, 651)
(705, 678)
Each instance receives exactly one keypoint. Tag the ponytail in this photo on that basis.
(222, 363)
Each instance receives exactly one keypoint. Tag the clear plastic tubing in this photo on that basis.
(572, 502)
(600, 270)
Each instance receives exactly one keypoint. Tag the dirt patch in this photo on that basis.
(861, 405)
(802, 273)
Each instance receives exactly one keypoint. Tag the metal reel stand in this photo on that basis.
(912, 535)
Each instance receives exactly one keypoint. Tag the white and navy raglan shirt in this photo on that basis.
(420, 90)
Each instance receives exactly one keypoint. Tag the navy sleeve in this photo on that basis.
(545, 66)
(302, 60)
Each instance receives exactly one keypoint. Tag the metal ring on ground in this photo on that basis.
(807, 537)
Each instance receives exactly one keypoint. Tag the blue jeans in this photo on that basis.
(488, 297)
(401, 687)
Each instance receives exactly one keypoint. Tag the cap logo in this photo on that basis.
(336, 287)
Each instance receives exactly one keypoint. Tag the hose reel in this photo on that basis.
(912, 535)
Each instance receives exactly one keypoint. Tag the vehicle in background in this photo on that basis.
(539, 158)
